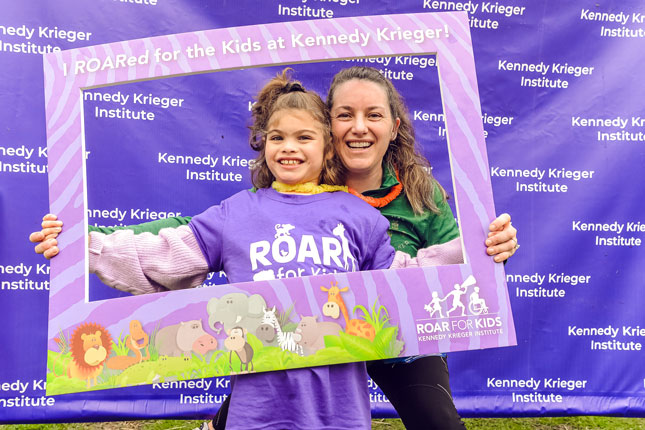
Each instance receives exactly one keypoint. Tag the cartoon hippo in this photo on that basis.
(310, 334)
(183, 338)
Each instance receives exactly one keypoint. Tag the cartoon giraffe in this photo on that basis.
(339, 231)
(335, 304)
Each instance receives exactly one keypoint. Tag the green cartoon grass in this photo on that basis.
(343, 348)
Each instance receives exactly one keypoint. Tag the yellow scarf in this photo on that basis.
(306, 188)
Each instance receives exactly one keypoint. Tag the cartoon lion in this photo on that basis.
(90, 347)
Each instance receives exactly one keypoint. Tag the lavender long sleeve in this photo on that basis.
(148, 263)
(436, 255)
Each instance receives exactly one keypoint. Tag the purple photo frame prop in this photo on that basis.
(404, 293)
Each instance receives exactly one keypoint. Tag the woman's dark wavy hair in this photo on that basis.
(402, 153)
(281, 93)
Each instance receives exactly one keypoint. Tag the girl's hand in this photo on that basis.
(501, 243)
(46, 238)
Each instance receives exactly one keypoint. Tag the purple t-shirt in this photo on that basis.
(268, 235)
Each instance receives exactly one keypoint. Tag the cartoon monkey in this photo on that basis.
(236, 342)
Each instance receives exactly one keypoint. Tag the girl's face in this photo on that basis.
(295, 147)
(362, 126)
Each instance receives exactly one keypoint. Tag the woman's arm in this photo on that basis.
(46, 237)
(501, 243)
(150, 227)
(380, 253)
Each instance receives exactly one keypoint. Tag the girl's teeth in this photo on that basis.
(289, 162)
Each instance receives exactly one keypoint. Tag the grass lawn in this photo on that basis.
(562, 423)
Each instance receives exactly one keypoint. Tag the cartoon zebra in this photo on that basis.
(285, 339)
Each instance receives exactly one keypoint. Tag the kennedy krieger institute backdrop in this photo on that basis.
(562, 106)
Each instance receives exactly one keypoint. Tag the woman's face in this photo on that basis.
(362, 126)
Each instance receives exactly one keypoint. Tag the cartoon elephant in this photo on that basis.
(236, 310)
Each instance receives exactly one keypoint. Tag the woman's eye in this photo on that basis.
(375, 115)
(343, 115)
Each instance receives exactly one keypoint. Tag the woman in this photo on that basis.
(375, 140)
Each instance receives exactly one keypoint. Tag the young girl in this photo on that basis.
(295, 177)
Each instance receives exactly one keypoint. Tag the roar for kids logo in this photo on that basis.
(451, 318)
(307, 254)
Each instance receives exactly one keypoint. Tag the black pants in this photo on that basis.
(419, 391)
(219, 422)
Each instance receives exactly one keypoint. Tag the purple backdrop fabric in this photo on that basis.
(565, 122)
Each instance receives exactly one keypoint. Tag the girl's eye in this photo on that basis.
(275, 138)
(305, 137)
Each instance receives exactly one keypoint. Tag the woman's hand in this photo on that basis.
(502, 239)
(46, 238)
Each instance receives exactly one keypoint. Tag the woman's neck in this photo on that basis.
(365, 182)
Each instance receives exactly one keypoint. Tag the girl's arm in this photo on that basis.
(46, 242)
(436, 255)
(146, 263)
